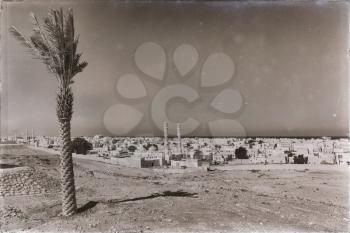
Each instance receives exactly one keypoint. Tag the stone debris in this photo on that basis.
(90, 173)
(26, 181)
(10, 212)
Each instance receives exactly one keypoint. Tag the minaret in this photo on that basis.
(179, 144)
(27, 134)
(166, 145)
(32, 133)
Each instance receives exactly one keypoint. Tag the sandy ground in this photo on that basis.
(229, 199)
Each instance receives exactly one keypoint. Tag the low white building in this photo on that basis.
(184, 163)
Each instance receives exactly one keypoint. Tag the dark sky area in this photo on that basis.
(290, 68)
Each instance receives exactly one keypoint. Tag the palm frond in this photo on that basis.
(35, 22)
(80, 67)
(20, 37)
(69, 26)
(55, 44)
(38, 30)
(28, 43)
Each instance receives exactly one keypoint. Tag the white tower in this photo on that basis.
(166, 144)
(179, 144)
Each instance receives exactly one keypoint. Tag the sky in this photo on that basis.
(219, 69)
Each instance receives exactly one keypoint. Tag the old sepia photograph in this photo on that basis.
(153, 116)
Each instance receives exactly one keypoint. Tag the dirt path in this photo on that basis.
(118, 199)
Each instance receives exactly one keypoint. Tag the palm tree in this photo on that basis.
(55, 44)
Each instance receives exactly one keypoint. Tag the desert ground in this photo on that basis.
(245, 198)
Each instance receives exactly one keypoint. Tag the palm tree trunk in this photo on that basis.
(69, 206)
(64, 114)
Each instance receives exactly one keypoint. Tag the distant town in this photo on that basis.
(197, 152)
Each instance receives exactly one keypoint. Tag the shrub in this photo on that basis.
(81, 146)
(300, 159)
(241, 153)
(132, 148)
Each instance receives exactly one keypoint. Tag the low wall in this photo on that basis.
(231, 166)
(127, 161)
(48, 150)
(175, 170)
(91, 157)
(187, 163)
